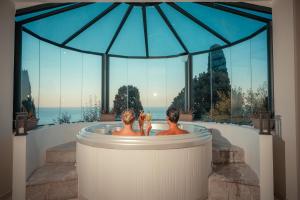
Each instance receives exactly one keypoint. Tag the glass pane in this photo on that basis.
(232, 27)
(97, 37)
(153, 85)
(219, 66)
(261, 14)
(175, 82)
(67, 22)
(201, 95)
(259, 63)
(22, 17)
(241, 82)
(71, 82)
(130, 40)
(157, 88)
(30, 74)
(118, 83)
(49, 83)
(91, 87)
(194, 36)
(162, 42)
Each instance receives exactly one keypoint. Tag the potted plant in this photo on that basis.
(29, 107)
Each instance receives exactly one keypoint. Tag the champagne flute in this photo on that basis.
(148, 119)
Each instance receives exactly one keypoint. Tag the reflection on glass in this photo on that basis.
(220, 84)
(230, 85)
(201, 87)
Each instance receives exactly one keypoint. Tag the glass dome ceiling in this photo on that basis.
(144, 30)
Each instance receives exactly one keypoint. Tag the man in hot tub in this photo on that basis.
(128, 118)
(172, 119)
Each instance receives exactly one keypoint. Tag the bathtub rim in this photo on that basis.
(143, 142)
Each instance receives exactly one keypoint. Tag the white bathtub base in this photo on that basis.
(173, 174)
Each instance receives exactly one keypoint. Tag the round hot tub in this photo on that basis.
(143, 167)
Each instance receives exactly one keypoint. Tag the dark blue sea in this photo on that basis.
(48, 115)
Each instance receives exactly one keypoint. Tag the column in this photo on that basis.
(7, 13)
(285, 87)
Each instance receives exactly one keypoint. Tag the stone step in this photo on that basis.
(223, 152)
(227, 154)
(233, 182)
(64, 153)
(53, 181)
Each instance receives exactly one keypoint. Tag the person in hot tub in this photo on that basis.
(128, 118)
(172, 119)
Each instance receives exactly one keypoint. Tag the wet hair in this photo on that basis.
(128, 116)
(173, 114)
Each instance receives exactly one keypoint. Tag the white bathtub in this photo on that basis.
(143, 168)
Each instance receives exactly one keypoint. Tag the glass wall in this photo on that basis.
(147, 84)
(228, 85)
(64, 85)
(231, 84)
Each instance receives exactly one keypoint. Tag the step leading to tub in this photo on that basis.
(223, 152)
(64, 153)
(233, 182)
(53, 181)
(227, 154)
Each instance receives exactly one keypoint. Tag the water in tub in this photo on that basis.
(109, 128)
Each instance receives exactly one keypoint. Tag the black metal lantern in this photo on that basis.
(21, 123)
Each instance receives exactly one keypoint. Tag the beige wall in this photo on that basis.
(6, 93)
(285, 87)
(297, 33)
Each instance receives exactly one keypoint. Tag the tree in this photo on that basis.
(257, 101)
(127, 97)
(213, 84)
(238, 103)
(91, 113)
(178, 102)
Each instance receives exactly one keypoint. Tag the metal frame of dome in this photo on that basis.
(156, 5)
(233, 8)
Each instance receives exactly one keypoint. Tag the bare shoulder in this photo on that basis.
(184, 131)
(163, 132)
(116, 133)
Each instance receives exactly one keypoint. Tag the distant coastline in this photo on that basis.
(47, 115)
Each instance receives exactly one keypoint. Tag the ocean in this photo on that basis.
(49, 115)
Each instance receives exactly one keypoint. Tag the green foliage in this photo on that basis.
(92, 112)
(237, 104)
(257, 101)
(201, 95)
(29, 107)
(178, 101)
(127, 96)
(228, 104)
(65, 118)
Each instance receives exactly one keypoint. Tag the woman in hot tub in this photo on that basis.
(172, 119)
(128, 118)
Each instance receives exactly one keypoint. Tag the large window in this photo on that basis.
(228, 85)
(231, 84)
(64, 85)
(147, 84)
